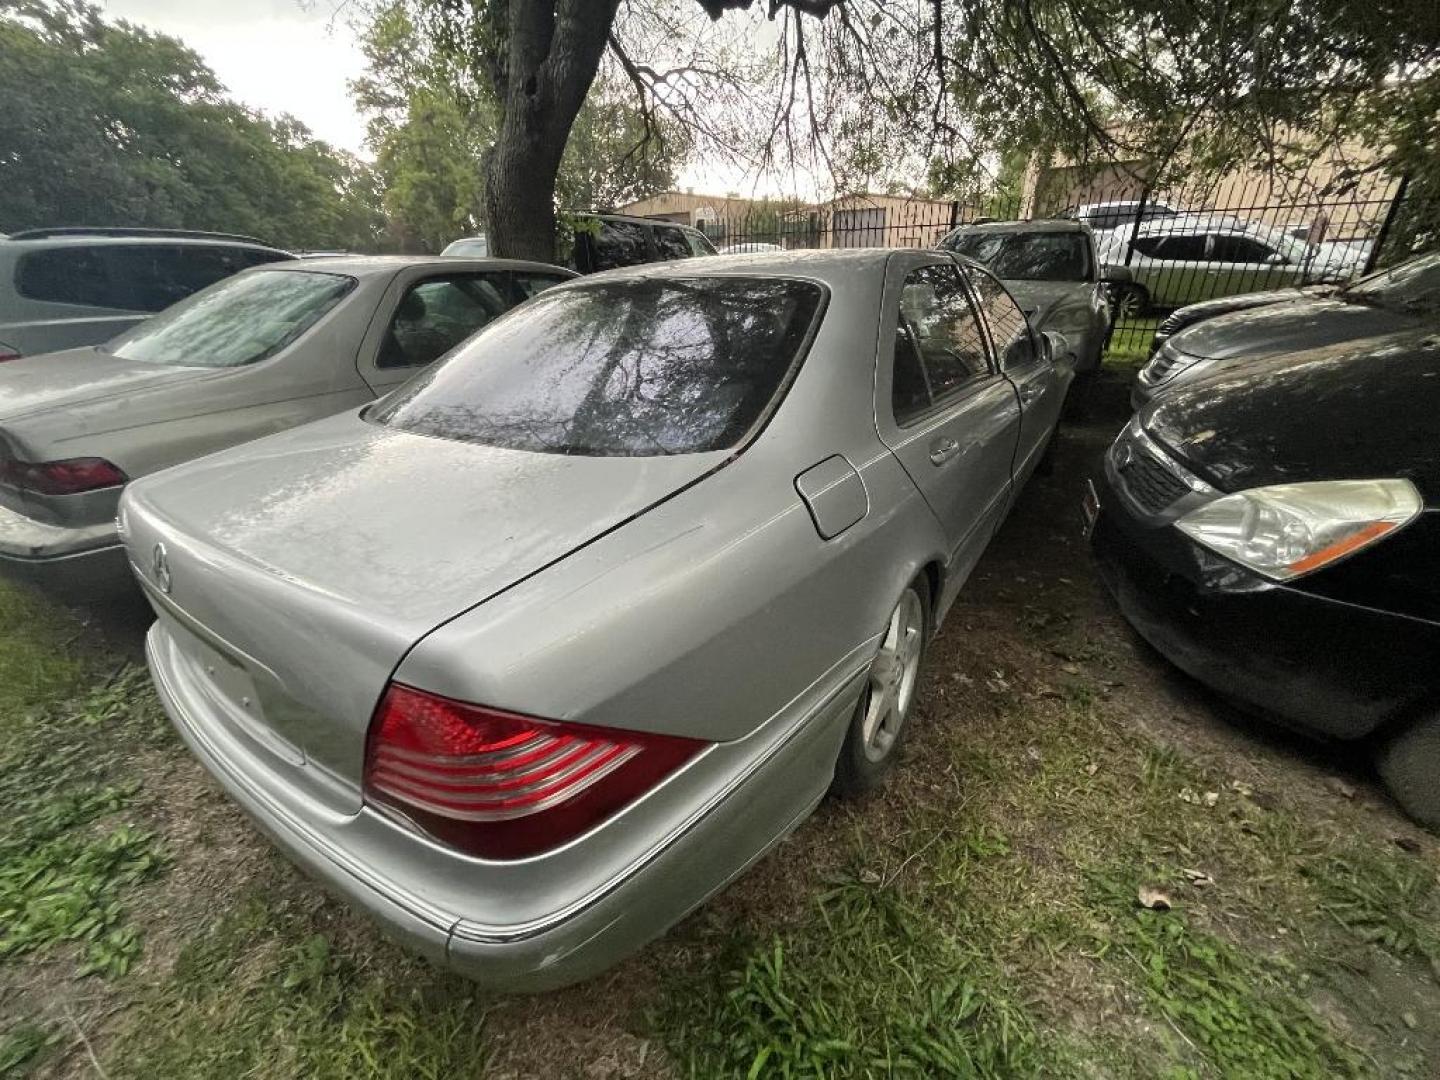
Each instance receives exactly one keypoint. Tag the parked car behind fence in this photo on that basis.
(1188, 257)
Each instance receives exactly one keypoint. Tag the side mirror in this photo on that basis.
(1115, 275)
(1055, 348)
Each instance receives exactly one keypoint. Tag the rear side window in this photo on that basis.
(628, 368)
(699, 243)
(621, 243)
(131, 277)
(1232, 248)
(238, 321)
(67, 275)
(943, 332)
(671, 243)
(436, 315)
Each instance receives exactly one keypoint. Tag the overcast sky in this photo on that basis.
(276, 55)
(297, 57)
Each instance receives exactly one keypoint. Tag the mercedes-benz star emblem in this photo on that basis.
(160, 563)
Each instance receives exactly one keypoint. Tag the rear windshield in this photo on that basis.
(238, 321)
(1059, 256)
(625, 368)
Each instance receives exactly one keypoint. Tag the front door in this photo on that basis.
(945, 410)
(1040, 383)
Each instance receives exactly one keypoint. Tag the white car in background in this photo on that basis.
(1192, 257)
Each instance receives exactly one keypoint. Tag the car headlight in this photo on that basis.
(1292, 529)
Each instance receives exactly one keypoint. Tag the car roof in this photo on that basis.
(823, 264)
(363, 266)
(22, 243)
(1029, 225)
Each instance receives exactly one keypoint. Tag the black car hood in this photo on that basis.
(1288, 326)
(1353, 410)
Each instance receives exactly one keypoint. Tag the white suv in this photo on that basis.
(1188, 258)
(63, 288)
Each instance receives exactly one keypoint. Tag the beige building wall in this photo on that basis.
(865, 220)
(1287, 200)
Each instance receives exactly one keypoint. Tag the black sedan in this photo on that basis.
(1197, 340)
(1275, 532)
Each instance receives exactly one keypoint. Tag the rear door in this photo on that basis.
(944, 408)
(424, 315)
(1241, 263)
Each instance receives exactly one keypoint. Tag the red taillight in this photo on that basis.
(69, 477)
(501, 785)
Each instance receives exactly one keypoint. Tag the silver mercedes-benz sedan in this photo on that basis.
(265, 350)
(534, 654)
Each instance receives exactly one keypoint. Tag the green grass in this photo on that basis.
(977, 919)
(38, 659)
(1130, 343)
(67, 858)
(261, 994)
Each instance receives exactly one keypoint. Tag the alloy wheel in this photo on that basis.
(893, 674)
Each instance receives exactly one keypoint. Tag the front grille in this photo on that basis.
(1149, 483)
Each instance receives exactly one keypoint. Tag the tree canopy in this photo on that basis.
(106, 123)
(432, 120)
(865, 90)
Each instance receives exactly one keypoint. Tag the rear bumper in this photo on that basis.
(602, 924)
(54, 556)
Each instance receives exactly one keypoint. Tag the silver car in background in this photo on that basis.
(534, 654)
(1052, 270)
(259, 352)
(1191, 257)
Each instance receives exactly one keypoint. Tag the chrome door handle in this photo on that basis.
(942, 450)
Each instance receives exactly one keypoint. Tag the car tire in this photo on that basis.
(1409, 763)
(881, 717)
(1129, 302)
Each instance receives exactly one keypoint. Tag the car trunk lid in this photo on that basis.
(299, 570)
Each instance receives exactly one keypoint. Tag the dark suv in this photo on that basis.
(67, 287)
(613, 241)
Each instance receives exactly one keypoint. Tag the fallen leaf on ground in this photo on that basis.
(869, 877)
(1091, 769)
(1199, 878)
(1070, 669)
(1153, 898)
(1189, 795)
(1241, 788)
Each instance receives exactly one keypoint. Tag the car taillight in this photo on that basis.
(68, 477)
(501, 785)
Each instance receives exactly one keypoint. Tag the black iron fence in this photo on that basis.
(1165, 248)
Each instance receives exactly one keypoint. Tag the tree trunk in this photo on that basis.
(548, 60)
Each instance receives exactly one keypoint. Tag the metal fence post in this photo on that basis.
(1390, 216)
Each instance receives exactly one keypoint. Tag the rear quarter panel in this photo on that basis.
(709, 613)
